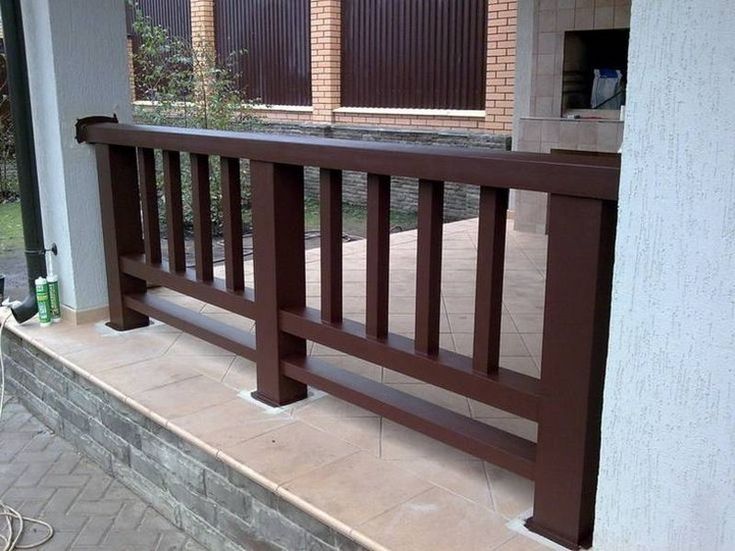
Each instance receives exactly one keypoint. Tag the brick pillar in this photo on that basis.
(203, 39)
(501, 54)
(202, 24)
(131, 69)
(325, 58)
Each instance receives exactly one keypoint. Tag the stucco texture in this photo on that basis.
(667, 475)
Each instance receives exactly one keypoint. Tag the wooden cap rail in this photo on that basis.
(565, 401)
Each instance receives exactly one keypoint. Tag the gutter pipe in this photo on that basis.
(20, 105)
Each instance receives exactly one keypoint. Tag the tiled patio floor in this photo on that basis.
(384, 485)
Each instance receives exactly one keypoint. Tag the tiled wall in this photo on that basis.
(541, 135)
(553, 18)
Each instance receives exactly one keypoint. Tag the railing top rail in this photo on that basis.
(575, 175)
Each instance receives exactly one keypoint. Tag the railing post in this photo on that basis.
(122, 230)
(576, 320)
(280, 279)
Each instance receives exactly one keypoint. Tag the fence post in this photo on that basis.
(122, 230)
(280, 279)
(576, 326)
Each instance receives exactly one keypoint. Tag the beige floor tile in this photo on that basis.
(328, 406)
(529, 323)
(189, 345)
(241, 374)
(135, 378)
(357, 488)
(291, 451)
(533, 343)
(231, 422)
(466, 478)
(399, 442)
(111, 353)
(525, 365)
(465, 323)
(213, 367)
(438, 520)
(185, 397)
(521, 543)
(512, 494)
(362, 432)
(511, 344)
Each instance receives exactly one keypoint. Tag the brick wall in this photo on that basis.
(501, 58)
(325, 66)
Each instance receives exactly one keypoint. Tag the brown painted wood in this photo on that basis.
(280, 278)
(474, 437)
(489, 280)
(378, 255)
(429, 265)
(213, 292)
(576, 175)
(149, 204)
(216, 332)
(122, 231)
(505, 389)
(174, 210)
(202, 214)
(330, 214)
(232, 223)
(576, 320)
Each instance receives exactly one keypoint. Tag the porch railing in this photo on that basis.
(565, 401)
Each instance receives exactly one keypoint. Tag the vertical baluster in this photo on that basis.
(149, 198)
(378, 254)
(202, 212)
(122, 231)
(576, 321)
(280, 279)
(232, 227)
(174, 211)
(489, 280)
(330, 212)
(429, 265)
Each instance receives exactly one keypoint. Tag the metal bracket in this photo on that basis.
(82, 124)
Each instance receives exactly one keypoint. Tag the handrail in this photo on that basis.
(565, 401)
(594, 177)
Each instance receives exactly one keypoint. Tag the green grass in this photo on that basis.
(354, 218)
(11, 229)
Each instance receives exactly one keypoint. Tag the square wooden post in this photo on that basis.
(576, 327)
(280, 279)
(122, 230)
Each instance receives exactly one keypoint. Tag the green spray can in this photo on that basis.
(43, 302)
(53, 296)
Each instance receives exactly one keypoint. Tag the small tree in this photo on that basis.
(186, 86)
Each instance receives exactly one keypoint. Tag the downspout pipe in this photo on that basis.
(20, 108)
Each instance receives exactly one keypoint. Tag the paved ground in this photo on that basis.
(42, 476)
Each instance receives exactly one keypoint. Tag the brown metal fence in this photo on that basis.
(172, 15)
(275, 37)
(565, 402)
(414, 53)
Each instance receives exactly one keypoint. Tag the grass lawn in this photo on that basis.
(11, 230)
(354, 218)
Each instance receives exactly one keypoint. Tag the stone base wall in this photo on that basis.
(215, 504)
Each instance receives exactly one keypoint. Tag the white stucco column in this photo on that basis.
(667, 474)
(77, 63)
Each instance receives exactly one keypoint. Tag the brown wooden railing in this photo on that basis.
(565, 401)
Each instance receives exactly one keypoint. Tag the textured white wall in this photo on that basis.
(667, 475)
(77, 62)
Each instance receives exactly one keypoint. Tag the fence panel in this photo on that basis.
(275, 37)
(414, 53)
